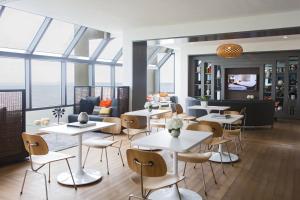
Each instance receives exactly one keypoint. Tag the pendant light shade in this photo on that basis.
(229, 50)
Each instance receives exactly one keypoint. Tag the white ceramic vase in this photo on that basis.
(204, 103)
(175, 132)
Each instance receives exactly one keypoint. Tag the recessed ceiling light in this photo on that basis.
(285, 37)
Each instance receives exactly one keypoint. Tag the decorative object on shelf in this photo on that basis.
(204, 101)
(174, 126)
(83, 118)
(209, 68)
(218, 95)
(208, 92)
(250, 96)
(149, 106)
(229, 50)
(293, 96)
(280, 82)
(218, 74)
(58, 113)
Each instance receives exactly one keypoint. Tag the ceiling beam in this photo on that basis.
(78, 35)
(153, 55)
(117, 56)
(38, 36)
(1, 10)
(101, 46)
(164, 59)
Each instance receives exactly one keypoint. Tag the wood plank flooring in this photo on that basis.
(269, 169)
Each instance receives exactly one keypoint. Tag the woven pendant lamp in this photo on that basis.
(229, 50)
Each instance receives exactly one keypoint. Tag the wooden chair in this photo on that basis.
(217, 138)
(197, 157)
(161, 120)
(152, 170)
(182, 115)
(134, 125)
(99, 143)
(40, 156)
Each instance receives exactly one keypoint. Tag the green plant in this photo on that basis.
(203, 98)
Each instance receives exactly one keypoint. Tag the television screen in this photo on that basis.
(242, 82)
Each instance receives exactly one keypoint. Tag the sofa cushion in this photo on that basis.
(95, 100)
(105, 103)
(86, 106)
(105, 111)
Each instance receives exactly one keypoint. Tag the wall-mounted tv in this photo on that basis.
(242, 82)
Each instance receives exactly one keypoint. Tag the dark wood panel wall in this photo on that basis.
(139, 74)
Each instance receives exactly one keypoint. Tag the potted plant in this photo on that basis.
(148, 105)
(174, 126)
(204, 101)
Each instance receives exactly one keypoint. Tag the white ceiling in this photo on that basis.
(117, 15)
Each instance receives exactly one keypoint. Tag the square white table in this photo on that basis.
(220, 155)
(163, 140)
(147, 114)
(81, 176)
(209, 108)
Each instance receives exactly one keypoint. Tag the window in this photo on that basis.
(12, 73)
(119, 76)
(18, 28)
(57, 37)
(70, 83)
(111, 50)
(102, 75)
(167, 76)
(46, 83)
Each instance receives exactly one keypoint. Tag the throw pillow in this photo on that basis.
(104, 111)
(106, 103)
(96, 110)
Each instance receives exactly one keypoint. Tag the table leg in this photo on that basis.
(171, 193)
(81, 176)
(216, 156)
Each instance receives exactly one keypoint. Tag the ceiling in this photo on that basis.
(117, 15)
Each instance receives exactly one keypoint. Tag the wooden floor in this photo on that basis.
(269, 168)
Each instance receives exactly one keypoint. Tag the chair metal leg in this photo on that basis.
(222, 162)
(229, 153)
(203, 179)
(236, 147)
(71, 174)
(45, 181)
(24, 181)
(121, 156)
(49, 173)
(212, 170)
(106, 161)
(178, 191)
(101, 155)
(87, 153)
(240, 142)
(184, 168)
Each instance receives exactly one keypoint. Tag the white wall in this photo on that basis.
(268, 21)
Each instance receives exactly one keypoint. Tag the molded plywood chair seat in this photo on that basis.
(99, 143)
(152, 171)
(195, 157)
(182, 115)
(161, 120)
(134, 125)
(217, 138)
(39, 156)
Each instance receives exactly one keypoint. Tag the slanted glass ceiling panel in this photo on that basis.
(12, 73)
(17, 28)
(57, 37)
(111, 50)
(88, 43)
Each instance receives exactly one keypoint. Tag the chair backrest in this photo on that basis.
(150, 164)
(199, 127)
(35, 144)
(179, 108)
(215, 126)
(134, 122)
(166, 115)
(116, 129)
(231, 112)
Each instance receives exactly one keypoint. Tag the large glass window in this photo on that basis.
(46, 83)
(167, 76)
(119, 76)
(57, 37)
(12, 73)
(102, 75)
(70, 82)
(111, 50)
(18, 28)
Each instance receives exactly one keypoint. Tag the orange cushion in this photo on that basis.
(105, 103)
(163, 94)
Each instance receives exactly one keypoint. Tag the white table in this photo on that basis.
(81, 176)
(163, 140)
(147, 114)
(209, 108)
(216, 156)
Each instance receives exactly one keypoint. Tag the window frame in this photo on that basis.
(174, 82)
